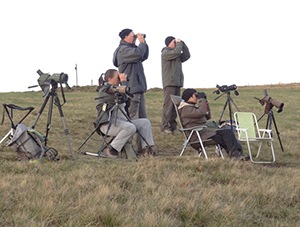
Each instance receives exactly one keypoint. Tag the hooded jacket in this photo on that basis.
(171, 64)
(129, 59)
(193, 115)
(107, 102)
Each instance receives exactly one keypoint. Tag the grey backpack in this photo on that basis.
(29, 144)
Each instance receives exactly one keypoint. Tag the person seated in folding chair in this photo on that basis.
(194, 111)
(113, 119)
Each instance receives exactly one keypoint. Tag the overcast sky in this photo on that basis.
(238, 42)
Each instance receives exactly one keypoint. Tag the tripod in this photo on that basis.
(114, 113)
(270, 120)
(228, 102)
(53, 97)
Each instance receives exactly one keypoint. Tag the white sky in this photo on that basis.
(242, 42)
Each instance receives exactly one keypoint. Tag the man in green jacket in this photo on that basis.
(172, 56)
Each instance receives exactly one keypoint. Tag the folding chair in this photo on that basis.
(10, 114)
(189, 132)
(106, 140)
(249, 131)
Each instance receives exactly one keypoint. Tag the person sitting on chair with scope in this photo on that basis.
(194, 111)
(113, 119)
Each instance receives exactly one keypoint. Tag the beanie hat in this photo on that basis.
(187, 93)
(124, 32)
(168, 40)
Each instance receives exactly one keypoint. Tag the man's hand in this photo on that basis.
(141, 37)
(123, 77)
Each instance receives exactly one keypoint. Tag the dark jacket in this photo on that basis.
(171, 64)
(128, 58)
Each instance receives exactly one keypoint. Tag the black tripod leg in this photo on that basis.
(49, 119)
(64, 124)
(225, 105)
(230, 114)
(234, 104)
(41, 111)
(84, 142)
(277, 132)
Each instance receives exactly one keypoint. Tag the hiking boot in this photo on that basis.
(238, 155)
(110, 152)
(151, 151)
(147, 152)
(143, 153)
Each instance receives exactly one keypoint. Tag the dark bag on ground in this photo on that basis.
(29, 144)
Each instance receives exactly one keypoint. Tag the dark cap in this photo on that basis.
(168, 40)
(187, 93)
(124, 32)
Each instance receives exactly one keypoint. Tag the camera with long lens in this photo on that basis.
(45, 80)
(118, 89)
(121, 92)
(115, 89)
(225, 88)
(269, 102)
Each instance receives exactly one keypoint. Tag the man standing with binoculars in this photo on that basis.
(129, 57)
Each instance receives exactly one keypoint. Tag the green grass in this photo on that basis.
(165, 191)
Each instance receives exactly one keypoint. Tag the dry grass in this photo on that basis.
(163, 191)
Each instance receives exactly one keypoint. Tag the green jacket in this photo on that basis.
(171, 64)
(106, 103)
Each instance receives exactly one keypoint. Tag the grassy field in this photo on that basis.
(165, 191)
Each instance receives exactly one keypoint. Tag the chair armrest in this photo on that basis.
(197, 128)
(242, 129)
(265, 130)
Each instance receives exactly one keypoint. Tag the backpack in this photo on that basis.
(29, 144)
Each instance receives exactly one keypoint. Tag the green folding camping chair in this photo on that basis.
(248, 131)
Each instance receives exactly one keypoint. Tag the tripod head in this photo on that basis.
(226, 90)
(49, 82)
(269, 102)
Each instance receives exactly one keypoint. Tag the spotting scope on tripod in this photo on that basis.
(269, 103)
(229, 101)
(49, 84)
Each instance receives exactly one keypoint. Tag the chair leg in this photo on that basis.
(272, 150)
(202, 146)
(220, 151)
(184, 147)
(249, 151)
(259, 148)
(258, 152)
(9, 133)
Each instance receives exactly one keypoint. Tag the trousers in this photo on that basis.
(168, 112)
(124, 130)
